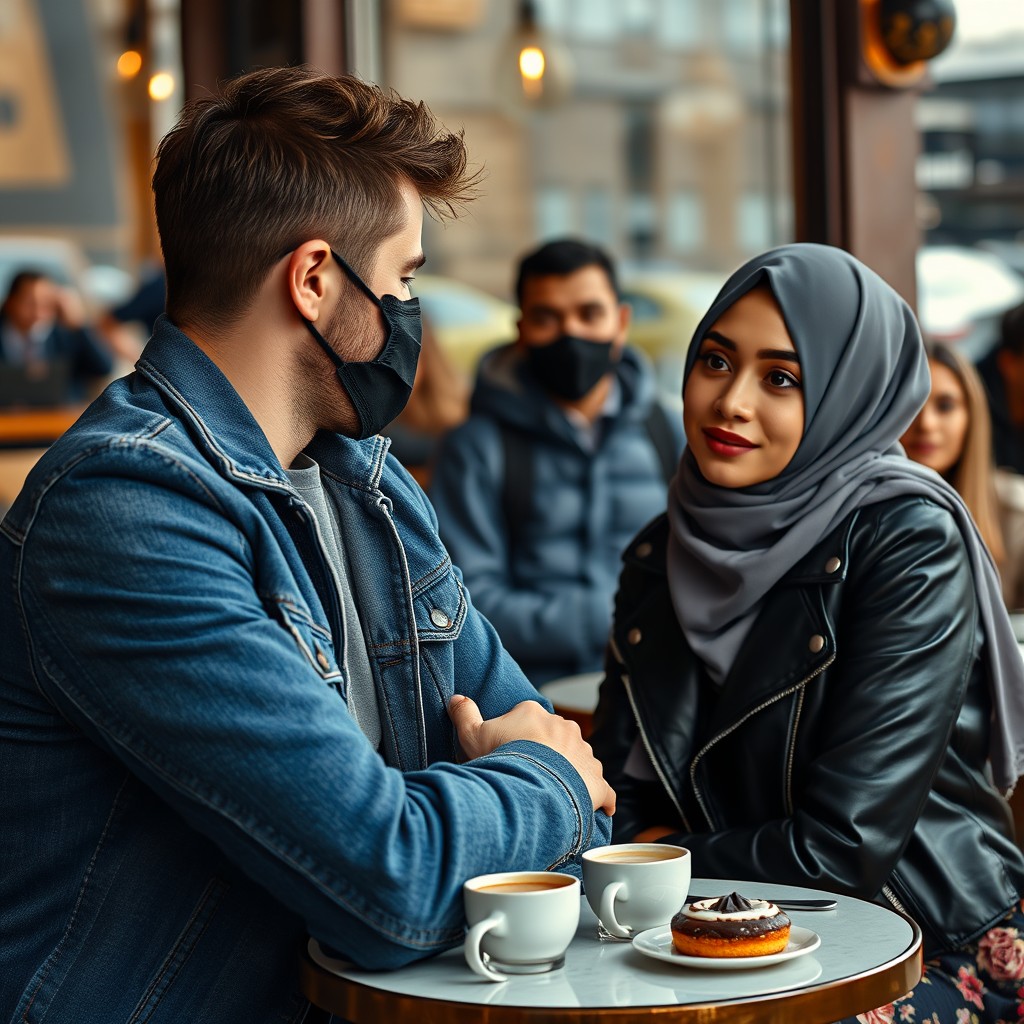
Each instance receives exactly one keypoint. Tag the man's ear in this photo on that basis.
(519, 333)
(625, 319)
(310, 269)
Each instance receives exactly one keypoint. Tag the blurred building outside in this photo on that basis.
(682, 135)
(970, 173)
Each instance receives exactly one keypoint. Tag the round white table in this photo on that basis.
(869, 955)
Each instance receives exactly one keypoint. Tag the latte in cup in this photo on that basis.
(640, 856)
(635, 886)
(520, 922)
(522, 886)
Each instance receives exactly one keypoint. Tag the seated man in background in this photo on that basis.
(244, 696)
(43, 335)
(566, 454)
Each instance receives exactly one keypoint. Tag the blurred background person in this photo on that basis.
(952, 434)
(127, 326)
(564, 457)
(1002, 373)
(438, 403)
(43, 336)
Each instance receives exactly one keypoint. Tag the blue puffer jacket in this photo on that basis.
(551, 598)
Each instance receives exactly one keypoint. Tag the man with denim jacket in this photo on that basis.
(244, 695)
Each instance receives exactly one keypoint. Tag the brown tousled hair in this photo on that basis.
(973, 474)
(283, 155)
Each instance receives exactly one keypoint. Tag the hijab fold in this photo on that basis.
(864, 377)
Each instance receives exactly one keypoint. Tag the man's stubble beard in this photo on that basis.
(356, 333)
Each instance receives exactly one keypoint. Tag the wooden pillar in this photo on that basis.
(855, 146)
(222, 38)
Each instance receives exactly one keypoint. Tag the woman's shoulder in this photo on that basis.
(910, 530)
(647, 551)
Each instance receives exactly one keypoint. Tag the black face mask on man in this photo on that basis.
(380, 388)
(570, 366)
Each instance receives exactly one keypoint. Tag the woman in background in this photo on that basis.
(952, 434)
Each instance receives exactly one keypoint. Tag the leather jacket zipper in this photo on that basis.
(643, 736)
(735, 725)
(894, 900)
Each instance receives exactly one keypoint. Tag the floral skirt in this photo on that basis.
(980, 984)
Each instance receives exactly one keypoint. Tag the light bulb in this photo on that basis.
(129, 64)
(161, 86)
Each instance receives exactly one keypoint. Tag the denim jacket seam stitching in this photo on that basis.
(177, 957)
(86, 881)
(286, 601)
(430, 577)
(260, 833)
(580, 827)
(229, 465)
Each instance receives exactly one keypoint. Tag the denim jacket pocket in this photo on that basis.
(440, 605)
(313, 640)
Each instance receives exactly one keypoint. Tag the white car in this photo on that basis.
(962, 294)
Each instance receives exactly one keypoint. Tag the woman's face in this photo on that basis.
(743, 403)
(936, 438)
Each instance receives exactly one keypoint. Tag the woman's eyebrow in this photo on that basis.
(765, 353)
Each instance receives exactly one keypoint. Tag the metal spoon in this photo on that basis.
(783, 904)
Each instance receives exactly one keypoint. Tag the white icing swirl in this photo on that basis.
(702, 911)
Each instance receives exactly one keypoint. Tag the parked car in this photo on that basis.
(961, 295)
(466, 320)
(667, 306)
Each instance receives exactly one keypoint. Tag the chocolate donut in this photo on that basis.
(730, 926)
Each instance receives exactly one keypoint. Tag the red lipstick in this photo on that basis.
(722, 442)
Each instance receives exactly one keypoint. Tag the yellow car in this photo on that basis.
(667, 306)
(466, 321)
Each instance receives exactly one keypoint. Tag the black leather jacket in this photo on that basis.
(847, 747)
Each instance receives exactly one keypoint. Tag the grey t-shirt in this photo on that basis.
(362, 694)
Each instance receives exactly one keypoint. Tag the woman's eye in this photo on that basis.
(781, 379)
(946, 404)
(713, 361)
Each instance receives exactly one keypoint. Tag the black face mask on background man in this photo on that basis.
(569, 366)
(380, 388)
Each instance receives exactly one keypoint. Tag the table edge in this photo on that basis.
(873, 988)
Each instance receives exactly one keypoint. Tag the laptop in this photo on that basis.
(47, 384)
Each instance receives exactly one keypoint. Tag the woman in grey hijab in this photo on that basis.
(812, 678)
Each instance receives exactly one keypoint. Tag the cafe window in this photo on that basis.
(669, 144)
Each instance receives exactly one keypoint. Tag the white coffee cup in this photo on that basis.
(520, 922)
(635, 886)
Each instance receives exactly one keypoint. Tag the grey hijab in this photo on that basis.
(865, 376)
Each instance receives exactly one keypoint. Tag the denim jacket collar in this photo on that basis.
(227, 430)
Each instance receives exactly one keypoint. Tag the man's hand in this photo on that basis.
(69, 308)
(529, 721)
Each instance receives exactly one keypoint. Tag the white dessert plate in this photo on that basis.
(657, 943)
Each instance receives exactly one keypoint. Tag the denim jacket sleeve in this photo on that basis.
(467, 493)
(147, 628)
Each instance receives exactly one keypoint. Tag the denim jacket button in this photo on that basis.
(832, 564)
(817, 642)
(439, 619)
(321, 660)
(634, 636)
